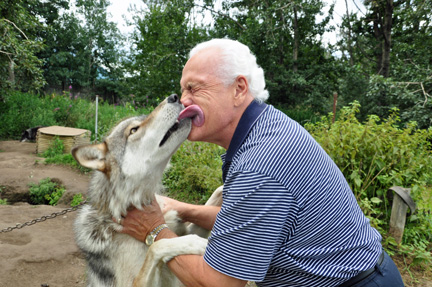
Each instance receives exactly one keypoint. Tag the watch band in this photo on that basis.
(151, 238)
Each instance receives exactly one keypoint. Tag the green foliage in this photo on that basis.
(46, 192)
(2, 201)
(77, 199)
(377, 155)
(195, 172)
(20, 68)
(383, 94)
(165, 34)
(56, 147)
(55, 155)
(301, 115)
(287, 40)
(19, 111)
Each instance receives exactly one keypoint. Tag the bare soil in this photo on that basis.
(45, 254)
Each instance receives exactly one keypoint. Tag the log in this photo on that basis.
(401, 201)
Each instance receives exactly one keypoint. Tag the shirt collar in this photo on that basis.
(247, 121)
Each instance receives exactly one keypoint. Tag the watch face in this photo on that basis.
(149, 240)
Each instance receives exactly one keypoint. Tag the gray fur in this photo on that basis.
(128, 171)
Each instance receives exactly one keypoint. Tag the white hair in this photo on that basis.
(237, 59)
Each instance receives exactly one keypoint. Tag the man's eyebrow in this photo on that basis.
(187, 85)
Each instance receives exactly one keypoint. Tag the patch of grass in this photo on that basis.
(46, 192)
(3, 201)
(54, 155)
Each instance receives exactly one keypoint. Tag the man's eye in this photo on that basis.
(133, 130)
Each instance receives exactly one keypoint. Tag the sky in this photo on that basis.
(119, 10)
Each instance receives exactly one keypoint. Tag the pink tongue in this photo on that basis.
(193, 112)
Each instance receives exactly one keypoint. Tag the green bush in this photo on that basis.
(55, 155)
(195, 172)
(375, 156)
(77, 199)
(46, 192)
(19, 111)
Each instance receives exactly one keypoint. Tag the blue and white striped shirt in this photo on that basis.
(288, 217)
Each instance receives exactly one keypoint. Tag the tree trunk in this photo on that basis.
(377, 28)
(11, 70)
(296, 41)
(350, 49)
(382, 25)
(388, 15)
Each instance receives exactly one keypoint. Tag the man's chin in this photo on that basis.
(194, 135)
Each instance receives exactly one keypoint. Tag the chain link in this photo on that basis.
(43, 218)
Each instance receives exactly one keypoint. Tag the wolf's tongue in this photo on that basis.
(193, 112)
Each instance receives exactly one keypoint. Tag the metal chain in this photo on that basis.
(43, 218)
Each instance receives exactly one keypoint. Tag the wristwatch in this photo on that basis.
(150, 239)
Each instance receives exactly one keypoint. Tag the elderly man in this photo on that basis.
(288, 216)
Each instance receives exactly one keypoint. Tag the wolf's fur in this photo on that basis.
(128, 171)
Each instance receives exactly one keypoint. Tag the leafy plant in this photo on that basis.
(3, 201)
(195, 172)
(377, 155)
(46, 192)
(77, 199)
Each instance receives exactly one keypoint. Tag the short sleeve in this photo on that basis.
(258, 215)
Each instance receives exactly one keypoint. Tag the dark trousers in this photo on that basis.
(386, 274)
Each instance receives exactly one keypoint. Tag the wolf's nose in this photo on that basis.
(173, 99)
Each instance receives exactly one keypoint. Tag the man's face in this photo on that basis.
(200, 86)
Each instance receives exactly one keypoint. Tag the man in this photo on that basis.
(288, 216)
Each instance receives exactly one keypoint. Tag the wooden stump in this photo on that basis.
(401, 201)
(70, 137)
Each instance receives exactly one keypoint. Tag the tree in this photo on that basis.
(83, 51)
(390, 47)
(19, 66)
(287, 40)
(165, 34)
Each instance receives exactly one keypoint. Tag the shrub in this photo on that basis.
(54, 155)
(377, 155)
(46, 192)
(195, 172)
(77, 199)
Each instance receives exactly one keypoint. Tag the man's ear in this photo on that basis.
(91, 156)
(242, 90)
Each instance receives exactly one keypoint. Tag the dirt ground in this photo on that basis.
(45, 254)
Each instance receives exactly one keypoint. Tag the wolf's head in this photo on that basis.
(136, 152)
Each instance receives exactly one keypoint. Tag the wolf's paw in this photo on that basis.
(167, 249)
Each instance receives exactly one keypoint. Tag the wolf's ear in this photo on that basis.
(91, 156)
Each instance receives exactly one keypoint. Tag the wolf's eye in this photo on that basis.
(133, 130)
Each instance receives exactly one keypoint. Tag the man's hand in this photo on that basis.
(139, 223)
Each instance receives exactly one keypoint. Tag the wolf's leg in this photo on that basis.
(153, 271)
(214, 200)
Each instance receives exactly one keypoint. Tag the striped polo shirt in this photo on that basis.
(288, 217)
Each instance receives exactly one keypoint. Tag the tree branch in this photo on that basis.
(15, 27)
(7, 53)
(221, 14)
(425, 94)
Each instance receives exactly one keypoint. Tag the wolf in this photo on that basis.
(128, 168)
(30, 134)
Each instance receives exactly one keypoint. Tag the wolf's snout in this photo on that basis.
(173, 99)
